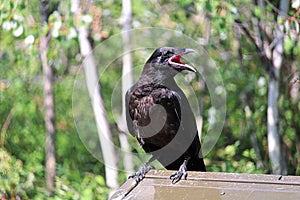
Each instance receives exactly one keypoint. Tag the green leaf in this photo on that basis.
(257, 11)
(288, 45)
(100, 180)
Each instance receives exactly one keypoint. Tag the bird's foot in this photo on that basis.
(182, 172)
(139, 175)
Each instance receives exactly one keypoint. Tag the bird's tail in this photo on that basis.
(196, 163)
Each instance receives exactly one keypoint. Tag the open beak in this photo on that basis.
(177, 64)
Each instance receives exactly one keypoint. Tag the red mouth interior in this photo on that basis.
(177, 59)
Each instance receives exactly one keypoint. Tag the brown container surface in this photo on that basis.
(211, 186)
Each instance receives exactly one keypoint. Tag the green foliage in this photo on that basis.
(15, 180)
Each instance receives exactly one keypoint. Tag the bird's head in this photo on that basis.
(167, 60)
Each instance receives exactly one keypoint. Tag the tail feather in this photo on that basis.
(196, 164)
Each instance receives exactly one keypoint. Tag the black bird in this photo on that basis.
(160, 117)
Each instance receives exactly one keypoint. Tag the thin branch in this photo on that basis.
(261, 53)
(257, 30)
(283, 14)
(5, 127)
(248, 34)
(239, 38)
(293, 18)
(278, 11)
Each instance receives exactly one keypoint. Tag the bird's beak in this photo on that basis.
(175, 62)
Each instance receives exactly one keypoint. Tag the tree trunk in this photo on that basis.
(274, 144)
(50, 171)
(94, 90)
(126, 82)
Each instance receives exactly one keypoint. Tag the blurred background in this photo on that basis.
(254, 44)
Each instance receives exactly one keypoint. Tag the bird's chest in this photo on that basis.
(147, 105)
(154, 115)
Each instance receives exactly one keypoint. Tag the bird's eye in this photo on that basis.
(158, 54)
(166, 56)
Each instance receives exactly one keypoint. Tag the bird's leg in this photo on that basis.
(182, 172)
(140, 174)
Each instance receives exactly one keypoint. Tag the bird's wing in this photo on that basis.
(187, 115)
(179, 133)
(170, 101)
(187, 131)
(128, 117)
(138, 106)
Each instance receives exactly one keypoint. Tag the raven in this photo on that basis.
(159, 116)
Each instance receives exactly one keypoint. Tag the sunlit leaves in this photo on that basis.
(257, 11)
(8, 9)
(15, 181)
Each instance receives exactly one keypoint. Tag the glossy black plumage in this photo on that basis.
(160, 117)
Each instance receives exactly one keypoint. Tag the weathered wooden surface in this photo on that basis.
(211, 186)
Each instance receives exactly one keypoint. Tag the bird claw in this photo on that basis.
(139, 175)
(177, 176)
